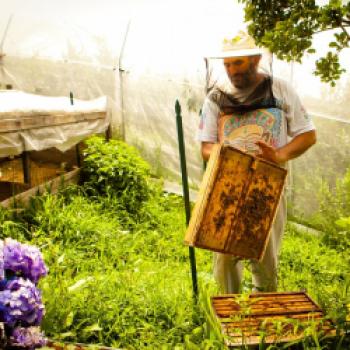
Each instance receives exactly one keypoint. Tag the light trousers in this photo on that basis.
(228, 270)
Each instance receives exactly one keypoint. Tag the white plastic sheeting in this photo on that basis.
(54, 47)
(20, 105)
(25, 104)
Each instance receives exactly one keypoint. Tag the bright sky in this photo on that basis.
(43, 27)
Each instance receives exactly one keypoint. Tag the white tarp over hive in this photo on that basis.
(35, 123)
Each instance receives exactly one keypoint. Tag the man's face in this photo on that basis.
(242, 70)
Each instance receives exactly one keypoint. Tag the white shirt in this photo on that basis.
(273, 125)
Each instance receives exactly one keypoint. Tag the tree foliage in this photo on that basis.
(286, 28)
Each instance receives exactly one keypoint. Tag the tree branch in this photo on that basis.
(332, 28)
(324, 30)
(345, 31)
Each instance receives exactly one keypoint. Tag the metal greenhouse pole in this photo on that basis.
(186, 195)
(121, 83)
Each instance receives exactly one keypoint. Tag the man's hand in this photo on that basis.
(206, 150)
(291, 150)
(269, 153)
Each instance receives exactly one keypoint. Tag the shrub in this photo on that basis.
(116, 169)
(333, 217)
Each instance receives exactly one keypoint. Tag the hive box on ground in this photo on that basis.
(237, 203)
(269, 318)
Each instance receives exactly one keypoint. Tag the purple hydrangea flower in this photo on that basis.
(20, 303)
(29, 338)
(2, 267)
(24, 260)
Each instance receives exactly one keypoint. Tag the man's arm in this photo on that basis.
(296, 147)
(206, 150)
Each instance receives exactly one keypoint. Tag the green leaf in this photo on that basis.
(287, 28)
(197, 331)
(67, 335)
(344, 223)
(69, 319)
(77, 285)
(93, 328)
(60, 259)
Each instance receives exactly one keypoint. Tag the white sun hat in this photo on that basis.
(240, 45)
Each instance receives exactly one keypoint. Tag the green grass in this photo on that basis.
(124, 281)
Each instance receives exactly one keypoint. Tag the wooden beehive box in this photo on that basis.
(269, 317)
(237, 203)
(8, 189)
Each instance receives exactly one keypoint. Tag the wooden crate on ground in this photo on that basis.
(23, 198)
(10, 189)
(237, 204)
(12, 171)
(44, 166)
(269, 317)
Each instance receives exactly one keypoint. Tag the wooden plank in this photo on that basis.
(259, 319)
(54, 185)
(272, 339)
(257, 211)
(11, 188)
(203, 195)
(260, 304)
(273, 313)
(274, 327)
(76, 346)
(255, 298)
(224, 199)
(270, 336)
(268, 310)
(47, 120)
(286, 298)
(259, 295)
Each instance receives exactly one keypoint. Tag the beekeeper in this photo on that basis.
(262, 115)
